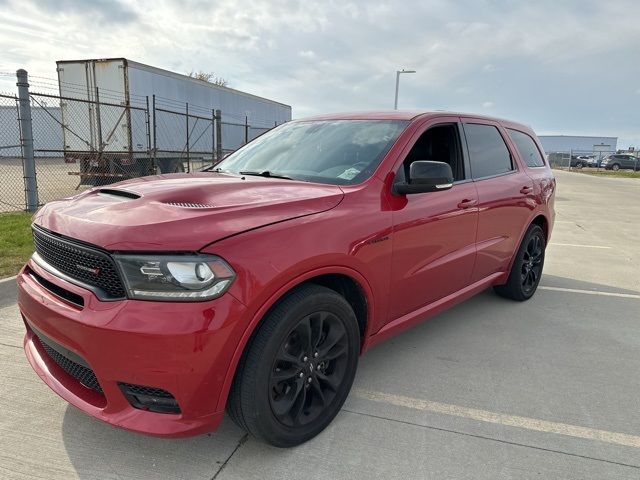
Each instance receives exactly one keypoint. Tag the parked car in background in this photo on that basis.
(581, 161)
(155, 303)
(594, 161)
(620, 161)
(590, 160)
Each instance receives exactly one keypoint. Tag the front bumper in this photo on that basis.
(181, 348)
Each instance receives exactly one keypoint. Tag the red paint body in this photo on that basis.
(412, 257)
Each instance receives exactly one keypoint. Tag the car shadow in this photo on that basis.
(452, 335)
(564, 282)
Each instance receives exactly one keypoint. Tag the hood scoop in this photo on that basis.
(121, 194)
(189, 205)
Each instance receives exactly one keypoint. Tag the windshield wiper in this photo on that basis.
(265, 173)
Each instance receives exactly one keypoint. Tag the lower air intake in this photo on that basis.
(149, 398)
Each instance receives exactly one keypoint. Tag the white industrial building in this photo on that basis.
(578, 143)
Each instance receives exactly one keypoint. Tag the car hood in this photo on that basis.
(182, 212)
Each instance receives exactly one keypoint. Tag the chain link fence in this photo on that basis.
(595, 161)
(184, 138)
(79, 143)
(12, 194)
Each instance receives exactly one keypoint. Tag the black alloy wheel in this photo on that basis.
(531, 270)
(308, 369)
(527, 267)
(298, 368)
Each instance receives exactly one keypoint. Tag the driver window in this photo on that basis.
(441, 144)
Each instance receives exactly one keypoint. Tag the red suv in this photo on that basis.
(156, 303)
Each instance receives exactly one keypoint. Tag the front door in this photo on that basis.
(434, 233)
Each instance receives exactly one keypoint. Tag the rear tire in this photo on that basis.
(297, 370)
(527, 267)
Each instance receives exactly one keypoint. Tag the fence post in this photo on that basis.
(246, 129)
(213, 136)
(149, 137)
(155, 136)
(26, 141)
(188, 159)
(218, 135)
(99, 125)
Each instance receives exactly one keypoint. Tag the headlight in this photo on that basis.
(175, 277)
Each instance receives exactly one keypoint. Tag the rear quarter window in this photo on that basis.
(527, 148)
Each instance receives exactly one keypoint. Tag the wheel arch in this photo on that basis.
(344, 280)
(542, 221)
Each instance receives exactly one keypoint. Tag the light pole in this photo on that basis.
(398, 72)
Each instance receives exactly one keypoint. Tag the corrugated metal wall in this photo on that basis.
(174, 90)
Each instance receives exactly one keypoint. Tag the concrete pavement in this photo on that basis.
(490, 389)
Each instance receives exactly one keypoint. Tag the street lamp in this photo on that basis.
(398, 72)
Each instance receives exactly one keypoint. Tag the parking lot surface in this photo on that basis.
(490, 389)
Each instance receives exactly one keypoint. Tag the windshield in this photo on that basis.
(338, 152)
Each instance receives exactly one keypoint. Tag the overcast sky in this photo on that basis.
(569, 67)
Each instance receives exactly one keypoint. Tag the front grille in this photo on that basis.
(80, 372)
(90, 266)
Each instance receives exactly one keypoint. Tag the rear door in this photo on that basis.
(505, 196)
(109, 79)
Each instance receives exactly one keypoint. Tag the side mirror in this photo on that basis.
(426, 176)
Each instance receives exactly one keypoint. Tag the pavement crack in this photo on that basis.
(483, 437)
(241, 442)
(9, 345)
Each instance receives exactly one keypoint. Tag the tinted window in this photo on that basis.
(487, 151)
(527, 148)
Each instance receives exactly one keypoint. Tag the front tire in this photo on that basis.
(615, 167)
(527, 267)
(298, 368)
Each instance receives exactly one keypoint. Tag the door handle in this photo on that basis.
(467, 203)
(526, 190)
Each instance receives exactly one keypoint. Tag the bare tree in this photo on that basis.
(208, 77)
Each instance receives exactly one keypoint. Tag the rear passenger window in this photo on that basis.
(488, 153)
(527, 148)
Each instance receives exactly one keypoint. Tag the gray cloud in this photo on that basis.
(562, 67)
(105, 11)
